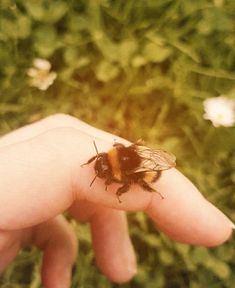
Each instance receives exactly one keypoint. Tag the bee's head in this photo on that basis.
(102, 167)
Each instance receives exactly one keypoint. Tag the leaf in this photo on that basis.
(225, 252)
(199, 255)
(140, 217)
(155, 38)
(186, 49)
(82, 61)
(152, 240)
(106, 46)
(211, 72)
(6, 108)
(182, 249)
(76, 23)
(106, 71)
(9, 29)
(220, 268)
(35, 9)
(46, 12)
(156, 53)
(45, 41)
(138, 61)
(71, 55)
(23, 26)
(166, 257)
(55, 11)
(125, 50)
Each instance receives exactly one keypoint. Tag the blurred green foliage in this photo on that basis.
(139, 69)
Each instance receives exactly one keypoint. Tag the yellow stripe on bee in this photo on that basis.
(114, 162)
(150, 176)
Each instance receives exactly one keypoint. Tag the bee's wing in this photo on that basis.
(154, 159)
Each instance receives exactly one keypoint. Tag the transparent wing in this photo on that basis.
(154, 159)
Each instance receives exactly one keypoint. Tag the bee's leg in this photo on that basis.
(108, 182)
(93, 180)
(89, 161)
(147, 187)
(157, 176)
(121, 190)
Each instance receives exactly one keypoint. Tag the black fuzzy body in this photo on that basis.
(131, 164)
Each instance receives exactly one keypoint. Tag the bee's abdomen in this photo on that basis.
(151, 176)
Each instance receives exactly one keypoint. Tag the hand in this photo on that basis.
(57, 241)
(41, 176)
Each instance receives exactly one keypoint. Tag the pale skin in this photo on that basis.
(41, 177)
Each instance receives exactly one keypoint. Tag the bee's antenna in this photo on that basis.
(95, 147)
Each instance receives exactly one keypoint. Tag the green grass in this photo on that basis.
(139, 69)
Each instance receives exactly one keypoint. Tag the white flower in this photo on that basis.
(220, 111)
(41, 76)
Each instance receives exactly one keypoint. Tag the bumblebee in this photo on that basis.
(131, 164)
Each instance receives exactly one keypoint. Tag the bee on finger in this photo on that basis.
(133, 164)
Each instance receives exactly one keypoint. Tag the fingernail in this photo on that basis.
(232, 225)
(132, 269)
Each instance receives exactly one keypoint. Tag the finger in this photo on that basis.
(59, 245)
(55, 238)
(9, 247)
(113, 249)
(83, 210)
(111, 242)
(185, 215)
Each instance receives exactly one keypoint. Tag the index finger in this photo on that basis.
(184, 214)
